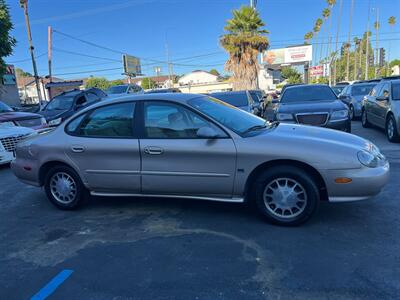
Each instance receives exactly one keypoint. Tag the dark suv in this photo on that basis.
(382, 108)
(243, 100)
(66, 104)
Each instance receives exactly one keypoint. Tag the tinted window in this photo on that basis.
(229, 116)
(60, 103)
(256, 95)
(91, 97)
(110, 121)
(375, 90)
(73, 125)
(235, 99)
(4, 108)
(361, 90)
(339, 89)
(396, 91)
(167, 120)
(118, 89)
(308, 93)
(385, 90)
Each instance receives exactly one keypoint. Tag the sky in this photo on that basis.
(189, 29)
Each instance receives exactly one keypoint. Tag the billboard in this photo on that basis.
(131, 65)
(316, 71)
(9, 76)
(290, 55)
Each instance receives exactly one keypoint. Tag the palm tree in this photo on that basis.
(316, 29)
(376, 27)
(392, 22)
(337, 40)
(325, 14)
(244, 40)
(348, 41)
(331, 3)
(308, 37)
(357, 44)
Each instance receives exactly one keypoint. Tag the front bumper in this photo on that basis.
(6, 157)
(343, 124)
(366, 183)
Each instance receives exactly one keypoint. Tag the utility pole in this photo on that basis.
(376, 42)
(168, 62)
(348, 41)
(337, 41)
(253, 3)
(24, 5)
(49, 54)
(367, 42)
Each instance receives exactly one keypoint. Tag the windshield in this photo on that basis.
(308, 93)
(396, 91)
(235, 99)
(361, 90)
(337, 89)
(256, 95)
(60, 103)
(228, 115)
(5, 108)
(118, 89)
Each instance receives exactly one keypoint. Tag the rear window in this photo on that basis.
(233, 99)
(396, 91)
(308, 93)
(361, 90)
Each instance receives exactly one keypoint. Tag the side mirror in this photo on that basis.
(207, 132)
(382, 98)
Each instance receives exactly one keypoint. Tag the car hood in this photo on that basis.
(52, 114)
(15, 115)
(320, 147)
(9, 131)
(307, 107)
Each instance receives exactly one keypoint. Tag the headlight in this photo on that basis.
(367, 159)
(284, 117)
(55, 122)
(43, 121)
(340, 114)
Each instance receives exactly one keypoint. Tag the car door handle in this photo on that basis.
(77, 149)
(153, 150)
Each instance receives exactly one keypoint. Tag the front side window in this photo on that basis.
(171, 121)
(385, 90)
(375, 90)
(109, 121)
(361, 90)
(396, 91)
(92, 97)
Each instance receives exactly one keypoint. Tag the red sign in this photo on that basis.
(316, 71)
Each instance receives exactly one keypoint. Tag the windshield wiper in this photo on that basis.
(256, 127)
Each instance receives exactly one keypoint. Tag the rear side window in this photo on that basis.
(375, 90)
(361, 90)
(112, 121)
(92, 97)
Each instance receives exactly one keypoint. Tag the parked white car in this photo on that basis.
(10, 135)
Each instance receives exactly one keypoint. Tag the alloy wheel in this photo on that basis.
(390, 128)
(63, 187)
(285, 198)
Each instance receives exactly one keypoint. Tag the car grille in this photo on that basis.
(9, 143)
(312, 119)
(30, 122)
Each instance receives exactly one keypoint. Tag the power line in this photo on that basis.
(84, 55)
(91, 71)
(26, 59)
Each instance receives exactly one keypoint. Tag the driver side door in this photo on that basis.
(175, 161)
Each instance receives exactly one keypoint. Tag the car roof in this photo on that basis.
(306, 86)
(227, 93)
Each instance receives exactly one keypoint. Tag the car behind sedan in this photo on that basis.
(315, 105)
(23, 119)
(243, 100)
(198, 147)
(352, 95)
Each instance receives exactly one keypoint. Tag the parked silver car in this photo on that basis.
(382, 108)
(198, 147)
(353, 94)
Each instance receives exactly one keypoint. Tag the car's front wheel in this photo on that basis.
(391, 130)
(286, 195)
(364, 119)
(351, 112)
(64, 188)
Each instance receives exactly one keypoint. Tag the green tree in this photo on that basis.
(392, 22)
(21, 73)
(291, 75)
(308, 37)
(148, 83)
(117, 82)
(97, 82)
(7, 42)
(244, 40)
(214, 72)
(316, 30)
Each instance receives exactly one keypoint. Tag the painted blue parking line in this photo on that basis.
(49, 288)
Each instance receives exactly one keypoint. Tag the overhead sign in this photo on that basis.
(316, 71)
(131, 65)
(290, 55)
(9, 76)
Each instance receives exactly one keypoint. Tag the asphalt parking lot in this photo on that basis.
(183, 249)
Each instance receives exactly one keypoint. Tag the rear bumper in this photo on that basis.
(366, 183)
(26, 171)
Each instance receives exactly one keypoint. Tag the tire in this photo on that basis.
(391, 130)
(351, 113)
(364, 119)
(64, 188)
(272, 189)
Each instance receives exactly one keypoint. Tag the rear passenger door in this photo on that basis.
(103, 145)
(370, 104)
(382, 106)
(175, 161)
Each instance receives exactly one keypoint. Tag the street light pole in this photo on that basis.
(24, 5)
(367, 42)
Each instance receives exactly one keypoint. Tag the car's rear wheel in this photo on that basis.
(64, 188)
(364, 119)
(286, 195)
(391, 130)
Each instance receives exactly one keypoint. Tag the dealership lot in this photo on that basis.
(184, 249)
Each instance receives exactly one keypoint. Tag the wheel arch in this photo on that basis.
(288, 162)
(46, 167)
